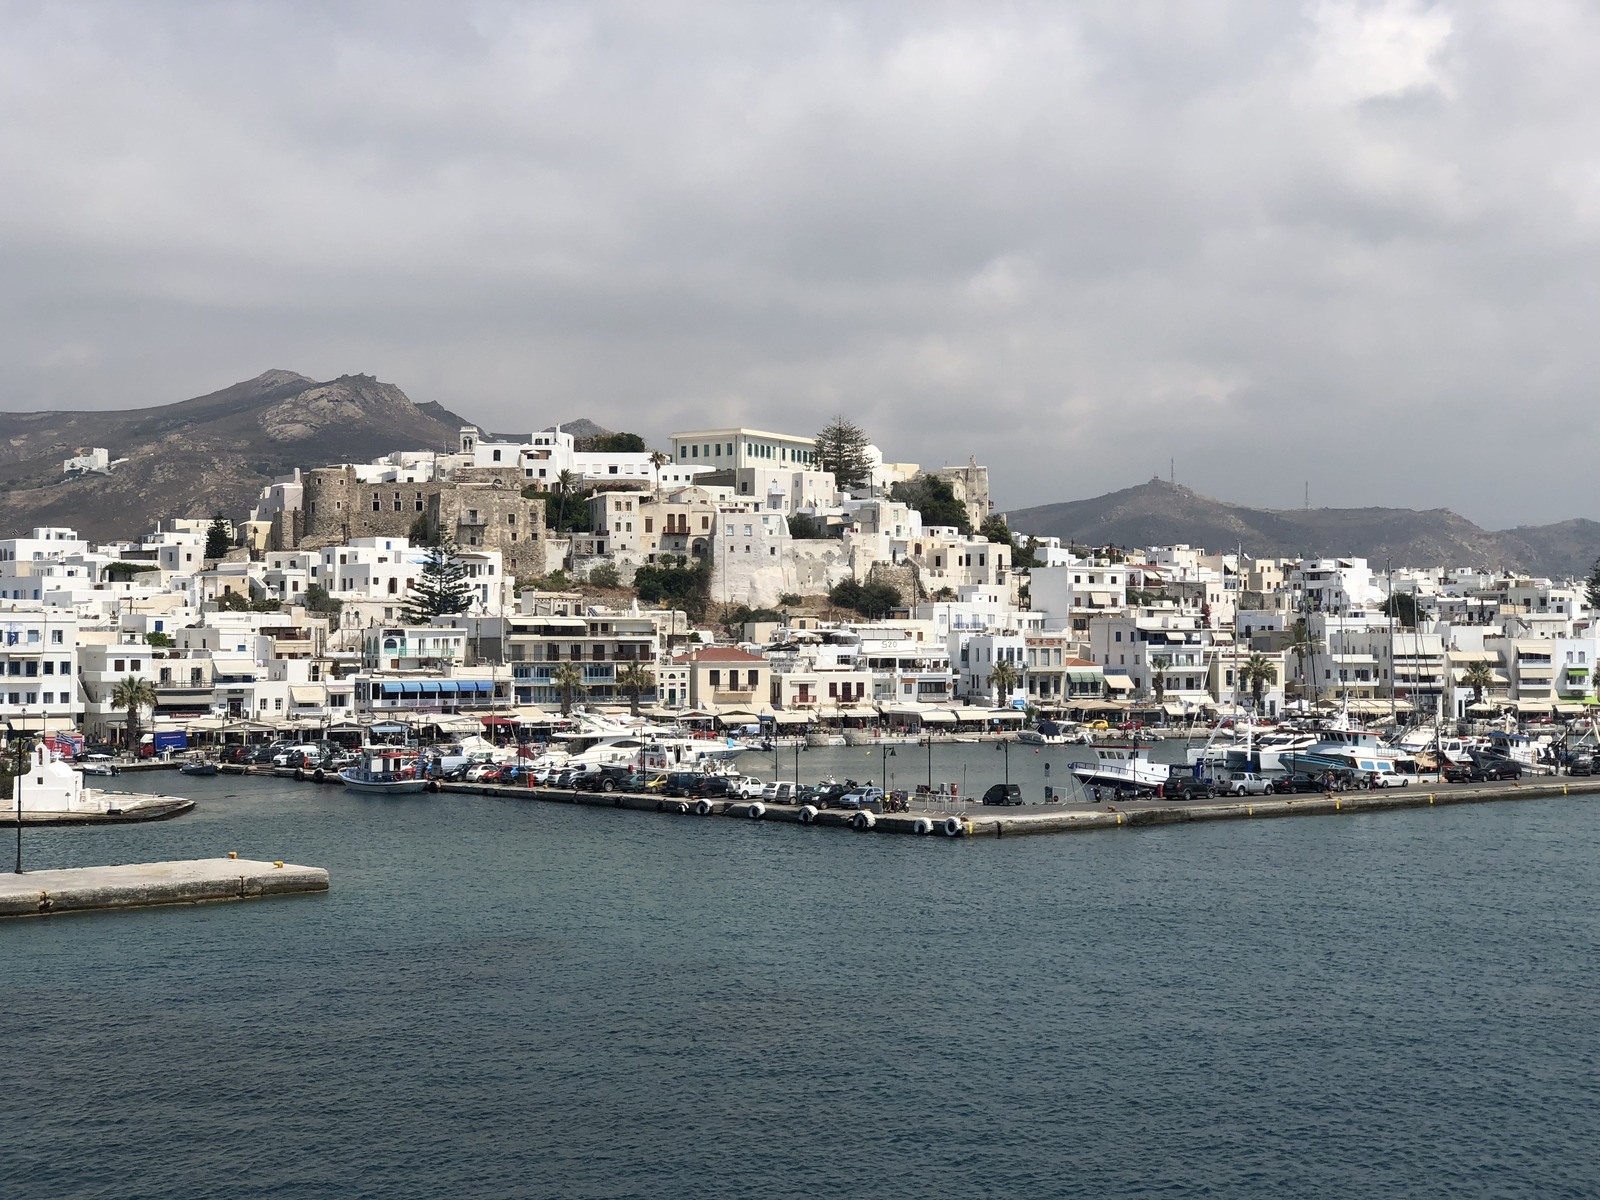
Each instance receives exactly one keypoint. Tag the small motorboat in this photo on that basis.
(199, 768)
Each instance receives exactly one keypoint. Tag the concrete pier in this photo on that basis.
(140, 885)
(977, 821)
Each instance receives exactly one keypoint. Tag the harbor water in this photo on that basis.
(503, 998)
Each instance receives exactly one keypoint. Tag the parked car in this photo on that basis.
(747, 787)
(779, 792)
(695, 784)
(1580, 764)
(861, 797)
(1003, 793)
(607, 779)
(1299, 781)
(1458, 772)
(1246, 783)
(1186, 787)
(1492, 769)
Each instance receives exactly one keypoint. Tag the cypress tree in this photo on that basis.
(443, 587)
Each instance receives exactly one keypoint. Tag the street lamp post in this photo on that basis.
(1006, 746)
(888, 754)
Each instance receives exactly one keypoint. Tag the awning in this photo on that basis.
(430, 687)
(409, 689)
(1569, 710)
(498, 720)
(1077, 676)
(391, 729)
(1119, 683)
(306, 695)
(938, 716)
(1173, 710)
(791, 718)
(1100, 599)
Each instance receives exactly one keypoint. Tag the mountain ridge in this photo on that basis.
(212, 453)
(1159, 513)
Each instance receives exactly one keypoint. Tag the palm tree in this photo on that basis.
(1005, 676)
(1479, 677)
(658, 460)
(1159, 664)
(133, 694)
(566, 481)
(568, 680)
(1306, 645)
(634, 680)
(1257, 674)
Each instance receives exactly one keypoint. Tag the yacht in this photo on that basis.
(1120, 767)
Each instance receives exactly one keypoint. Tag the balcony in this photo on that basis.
(723, 697)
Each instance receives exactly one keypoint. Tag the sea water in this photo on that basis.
(509, 998)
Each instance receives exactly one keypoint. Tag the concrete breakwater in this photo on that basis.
(141, 885)
(1057, 818)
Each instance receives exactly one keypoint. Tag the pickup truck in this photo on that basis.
(1244, 783)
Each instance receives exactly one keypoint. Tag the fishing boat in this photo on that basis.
(1120, 767)
(198, 768)
(386, 770)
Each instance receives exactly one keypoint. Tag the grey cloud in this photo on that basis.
(1353, 244)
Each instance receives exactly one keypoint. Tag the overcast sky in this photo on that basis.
(1349, 244)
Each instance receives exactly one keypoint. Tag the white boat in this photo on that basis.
(642, 746)
(1120, 767)
(386, 770)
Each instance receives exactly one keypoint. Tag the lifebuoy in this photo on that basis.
(703, 808)
(863, 820)
(922, 825)
(756, 811)
(808, 814)
(952, 827)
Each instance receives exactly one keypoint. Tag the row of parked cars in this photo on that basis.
(1480, 769)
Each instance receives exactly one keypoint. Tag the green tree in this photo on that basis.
(678, 586)
(422, 532)
(568, 680)
(1306, 646)
(620, 443)
(566, 484)
(1591, 587)
(233, 602)
(996, 529)
(1480, 678)
(873, 600)
(1257, 674)
(791, 600)
(935, 499)
(634, 680)
(605, 576)
(1005, 676)
(806, 528)
(319, 601)
(160, 641)
(842, 449)
(441, 587)
(132, 694)
(1402, 606)
(1159, 664)
(218, 543)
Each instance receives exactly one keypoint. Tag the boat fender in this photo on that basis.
(617, 803)
(299, 775)
(756, 811)
(952, 827)
(703, 809)
(808, 814)
(661, 806)
(433, 785)
(863, 820)
(319, 776)
(682, 808)
(923, 825)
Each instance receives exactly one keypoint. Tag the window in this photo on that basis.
(120, 664)
(55, 635)
(49, 667)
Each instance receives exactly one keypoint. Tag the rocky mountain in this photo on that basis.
(202, 456)
(1160, 513)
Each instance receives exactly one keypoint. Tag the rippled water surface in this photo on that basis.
(503, 998)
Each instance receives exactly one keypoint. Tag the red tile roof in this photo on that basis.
(718, 654)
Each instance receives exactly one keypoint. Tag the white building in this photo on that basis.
(39, 668)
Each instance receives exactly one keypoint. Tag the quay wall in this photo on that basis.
(142, 885)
